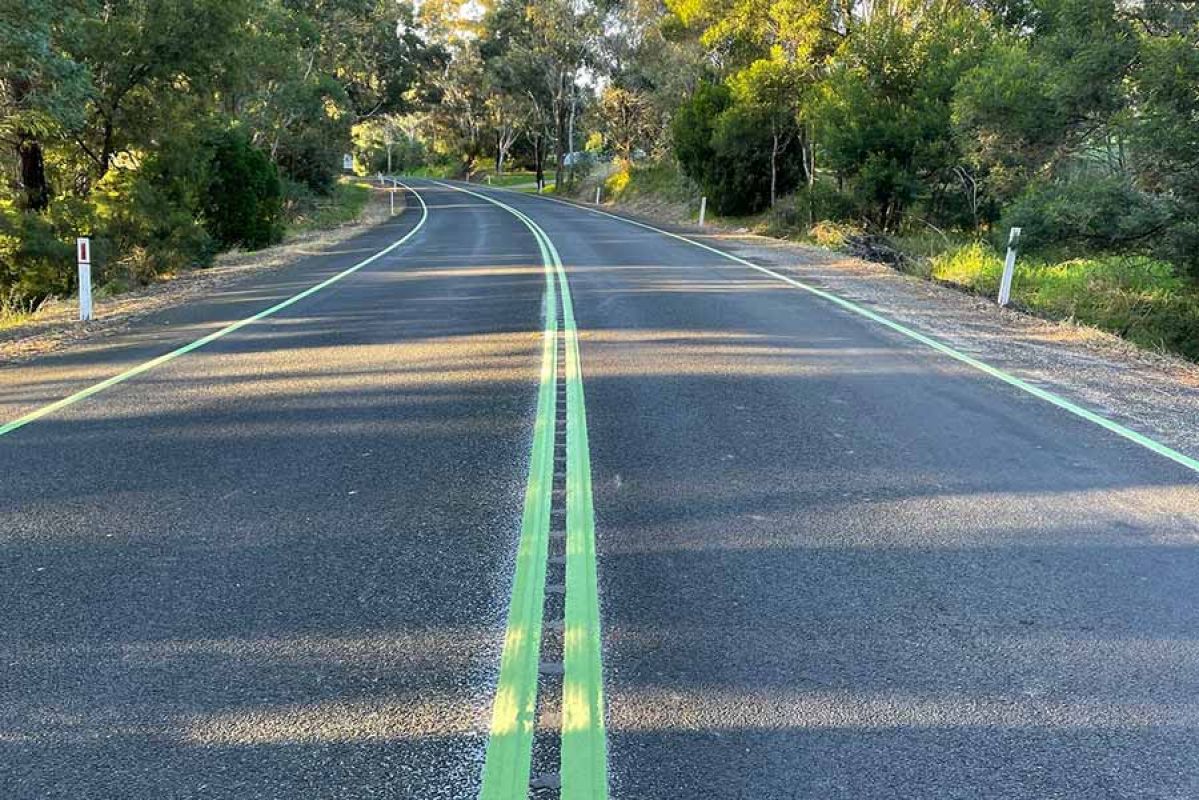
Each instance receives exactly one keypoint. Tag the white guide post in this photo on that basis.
(1009, 268)
(597, 194)
(703, 210)
(83, 253)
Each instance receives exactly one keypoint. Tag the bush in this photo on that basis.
(725, 148)
(738, 179)
(1098, 214)
(693, 127)
(147, 217)
(243, 201)
(809, 207)
(833, 235)
(35, 261)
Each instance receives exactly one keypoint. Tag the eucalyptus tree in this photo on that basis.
(43, 90)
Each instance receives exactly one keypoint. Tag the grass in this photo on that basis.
(345, 205)
(11, 318)
(439, 171)
(1138, 298)
(507, 179)
(653, 180)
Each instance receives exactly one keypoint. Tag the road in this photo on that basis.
(343, 550)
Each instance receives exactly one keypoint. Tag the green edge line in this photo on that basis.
(146, 366)
(584, 764)
(1049, 397)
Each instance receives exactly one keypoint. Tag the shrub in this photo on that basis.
(243, 201)
(1096, 213)
(832, 234)
(693, 127)
(35, 262)
(738, 178)
(146, 216)
(809, 207)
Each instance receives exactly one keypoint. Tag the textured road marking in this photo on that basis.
(584, 769)
(146, 366)
(506, 768)
(1024, 386)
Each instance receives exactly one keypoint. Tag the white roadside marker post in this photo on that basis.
(83, 252)
(391, 197)
(1009, 268)
(703, 210)
(597, 195)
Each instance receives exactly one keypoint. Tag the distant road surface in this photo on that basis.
(540, 495)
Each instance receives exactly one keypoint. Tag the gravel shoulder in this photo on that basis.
(55, 326)
(1154, 393)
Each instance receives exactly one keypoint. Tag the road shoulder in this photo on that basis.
(55, 327)
(1154, 393)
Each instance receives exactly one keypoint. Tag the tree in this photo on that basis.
(772, 87)
(627, 119)
(42, 90)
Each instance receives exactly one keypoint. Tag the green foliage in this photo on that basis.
(147, 216)
(884, 113)
(1139, 298)
(243, 200)
(694, 127)
(35, 261)
(809, 207)
(651, 180)
(1086, 213)
(103, 117)
(738, 177)
(726, 148)
(308, 211)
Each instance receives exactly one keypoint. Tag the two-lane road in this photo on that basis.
(833, 562)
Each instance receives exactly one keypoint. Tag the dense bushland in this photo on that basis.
(168, 130)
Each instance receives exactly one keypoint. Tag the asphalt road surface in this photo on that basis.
(832, 561)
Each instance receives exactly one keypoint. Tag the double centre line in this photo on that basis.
(582, 746)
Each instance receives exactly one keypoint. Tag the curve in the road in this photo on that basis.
(584, 738)
(146, 366)
(945, 349)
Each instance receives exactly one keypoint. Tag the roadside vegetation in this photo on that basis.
(170, 130)
(917, 132)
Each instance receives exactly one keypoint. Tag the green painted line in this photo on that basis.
(982, 366)
(510, 741)
(584, 738)
(584, 765)
(513, 717)
(146, 366)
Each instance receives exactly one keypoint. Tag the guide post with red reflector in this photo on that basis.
(83, 252)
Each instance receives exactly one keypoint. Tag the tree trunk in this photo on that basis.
(35, 187)
(560, 135)
(774, 157)
(538, 161)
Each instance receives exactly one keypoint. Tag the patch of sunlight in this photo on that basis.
(707, 709)
(381, 719)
